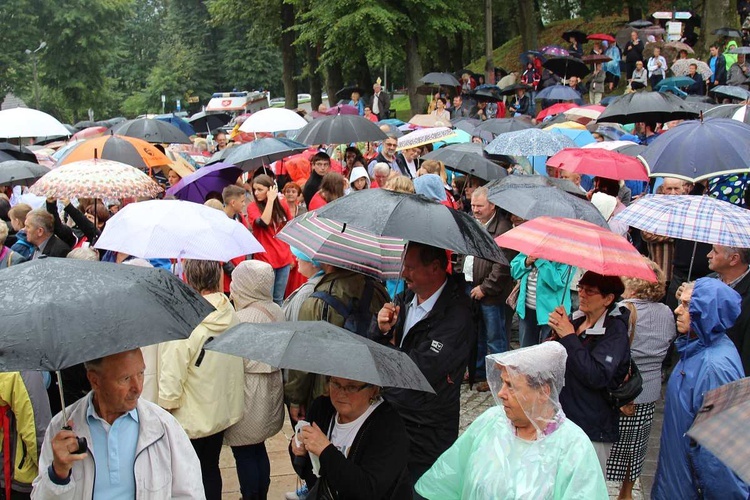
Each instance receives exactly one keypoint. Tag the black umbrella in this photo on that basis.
(18, 152)
(499, 126)
(472, 121)
(640, 24)
(647, 107)
(20, 173)
(485, 95)
(732, 91)
(340, 129)
(432, 89)
(579, 36)
(439, 79)
(323, 348)
(414, 218)
(204, 122)
(722, 111)
(346, 92)
(729, 32)
(468, 159)
(392, 129)
(250, 156)
(511, 89)
(567, 66)
(84, 124)
(153, 131)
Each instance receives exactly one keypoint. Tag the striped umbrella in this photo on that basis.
(128, 150)
(577, 243)
(343, 246)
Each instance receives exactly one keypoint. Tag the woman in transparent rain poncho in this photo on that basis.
(524, 447)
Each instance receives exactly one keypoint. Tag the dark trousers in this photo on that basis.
(655, 80)
(208, 450)
(253, 470)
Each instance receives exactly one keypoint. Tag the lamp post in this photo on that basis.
(36, 77)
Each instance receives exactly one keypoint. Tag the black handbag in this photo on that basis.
(632, 386)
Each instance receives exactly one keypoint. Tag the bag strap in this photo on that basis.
(632, 321)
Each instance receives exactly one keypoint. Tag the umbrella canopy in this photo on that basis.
(468, 159)
(558, 239)
(424, 136)
(741, 115)
(531, 142)
(342, 109)
(346, 92)
(596, 59)
(389, 129)
(640, 23)
(96, 179)
(584, 113)
(728, 32)
(678, 46)
(681, 67)
(732, 91)
(27, 122)
(330, 242)
(739, 50)
(486, 95)
(553, 51)
(497, 126)
(558, 93)
(693, 218)
(722, 421)
(723, 111)
(601, 36)
(556, 109)
(340, 129)
(529, 200)
(20, 173)
(250, 156)
(579, 36)
(580, 137)
(151, 130)
(611, 145)
(205, 122)
(273, 120)
(170, 118)
(128, 150)
(599, 163)
(320, 347)
(440, 79)
(413, 218)
(61, 312)
(174, 229)
(697, 150)
(89, 133)
(212, 178)
(567, 66)
(17, 152)
(675, 81)
(511, 89)
(647, 107)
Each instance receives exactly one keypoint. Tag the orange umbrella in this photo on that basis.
(128, 150)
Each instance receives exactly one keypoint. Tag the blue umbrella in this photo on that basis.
(558, 93)
(524, 57)
(531, 142)
(697, 150)
(177, 122)
(675, 81)
(578, 136)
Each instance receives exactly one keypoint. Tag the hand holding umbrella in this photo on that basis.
(388, 317)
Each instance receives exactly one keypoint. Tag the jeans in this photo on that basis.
(253, 469)
(529, 332)
(281, 276)
(208, 450)
(492, 337)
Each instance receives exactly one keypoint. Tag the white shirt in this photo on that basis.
(375, 104)
(415, 312)
(342, 435)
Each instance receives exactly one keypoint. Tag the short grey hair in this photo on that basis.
(744, 253)
(41, 218)
(480, 191)
(381, 168)
(83, 254)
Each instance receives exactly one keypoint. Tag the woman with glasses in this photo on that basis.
(356, 445)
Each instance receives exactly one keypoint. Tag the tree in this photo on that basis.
(528, 24)
(716, 14)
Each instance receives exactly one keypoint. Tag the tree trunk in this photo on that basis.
(413, 73)
(457, 52)
(364, 78)
(288, 55)
(489, 65)
(316, 88)
(444, 54)
(334, 82)
(716, 14)
(528, 24)
(634, 14)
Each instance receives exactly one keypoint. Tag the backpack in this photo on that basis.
(356, 313)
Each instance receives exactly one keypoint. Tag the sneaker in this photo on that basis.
(299, 494)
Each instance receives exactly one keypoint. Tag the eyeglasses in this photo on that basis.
(391, 144)
(348, 389)
(586, 290)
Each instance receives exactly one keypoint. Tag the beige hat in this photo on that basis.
(604, 203)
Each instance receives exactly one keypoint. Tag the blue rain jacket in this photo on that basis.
(707, 360)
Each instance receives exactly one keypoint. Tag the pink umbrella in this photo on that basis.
(599, 162)
(342, 109)
(88, 133)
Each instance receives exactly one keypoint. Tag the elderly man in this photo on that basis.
(431, 322)
(708, 360)
(135, 449)
(731, 266)
(387, 155)
(40, 232)
(380, 102)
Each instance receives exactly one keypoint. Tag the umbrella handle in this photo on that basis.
(692, 259)
(82, 443)
(568, 279)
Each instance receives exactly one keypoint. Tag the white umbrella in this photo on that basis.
(26, 122)
(609, 145)
(424, 136)
(581, 112)
(175, 229)
(273, 120)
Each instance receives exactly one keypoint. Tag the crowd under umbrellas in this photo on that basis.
(367, 231)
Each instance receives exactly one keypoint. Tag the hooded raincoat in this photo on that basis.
(490, 460)
(359, 173)
(708, 359)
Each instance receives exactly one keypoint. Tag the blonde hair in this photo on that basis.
(646, 290)
(400, 184)
(435, 167)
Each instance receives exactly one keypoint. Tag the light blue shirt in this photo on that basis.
(415, 312)
(114, 454)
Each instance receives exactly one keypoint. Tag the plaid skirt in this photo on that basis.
(630, 451)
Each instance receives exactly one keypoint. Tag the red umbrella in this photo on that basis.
(577, 243)
(88, 133)
(596, 59)
(555, 109)
(599, 162)
(602, 36)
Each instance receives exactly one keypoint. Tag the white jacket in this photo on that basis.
(166, 465)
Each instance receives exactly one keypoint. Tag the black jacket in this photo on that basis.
(384, 104)
(721, 70)
(440, 345)
(740, 332)
(311, 186)
(55, 247)
(376, 465)
(596, 363)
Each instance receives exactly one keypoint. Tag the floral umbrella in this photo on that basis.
(682, 66)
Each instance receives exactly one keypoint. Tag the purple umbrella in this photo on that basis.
(196, 186)
(342, 109)
(554, 50)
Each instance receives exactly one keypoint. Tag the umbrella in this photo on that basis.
(586, 113)
(346, 92)
(466, 125)
(732, 91)
(562, 240)
(209, 179)
(580, 137)
(468, 159)
(728, 32)
(699, 103)
(530, 201)
(602, 36)
(555, 109)
(341, 109)
(531, 142)
(17, 152)
(27, 122)
(647, 107)
(675, 81)
(273, 120)
(596, 59)
(511, 89)
(694, 218)
(20, 173)
(129, 150)
(599, 163)
(681, 67)
(170, 118)
(612, 145)
(250, 156)
(423, 120)
(389, 129)
(641, 23)
(174, 229)
(84, 124)
(558, 93)
(320, 347)
(554, 50)
(739, 50)
(579, 36)
(333, 243)
(205, 122)
(567, 66)
(151, 130)
(95, 179)
(678, 46)
(88, 133)
(424, 136)
(414, 218)
(723, 111)
(498, 126)
(440, 79)
(524, 57)
(340, 129)
(722, 421)
(697, 150)
(648, 49)
(486, 94)
(741, 115)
